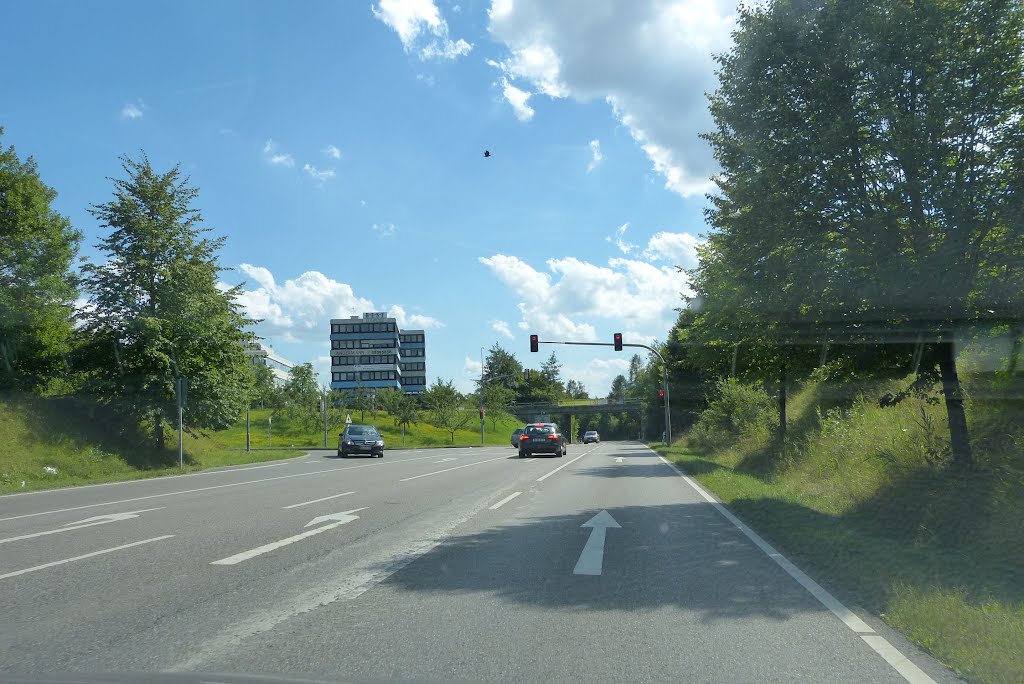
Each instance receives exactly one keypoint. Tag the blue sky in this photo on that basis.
(339, 148)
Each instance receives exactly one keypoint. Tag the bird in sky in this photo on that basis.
(487, 153)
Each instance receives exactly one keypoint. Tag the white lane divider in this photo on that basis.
(376, 464)
(468, 465)
(338, 519)
(912, 673)
(326, 498)
(564, 465)
(505, 500)
(84, 556)
(88, 522)
(445, 460)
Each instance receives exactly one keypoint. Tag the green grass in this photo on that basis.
(861, 496)
(87, 445)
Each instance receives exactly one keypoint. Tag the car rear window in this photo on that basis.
(534, 430)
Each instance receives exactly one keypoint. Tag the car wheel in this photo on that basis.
(522, 454)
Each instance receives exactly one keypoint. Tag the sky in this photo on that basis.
(338, 147)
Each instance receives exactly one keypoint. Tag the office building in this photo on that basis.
(371, 352)
(278, 365)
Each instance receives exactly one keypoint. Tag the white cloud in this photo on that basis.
(596, 374)
(301, 307)
(332, 151)
(467, 382)
(566, 302)
(270, 151)
(414, 321)
(419, 23)
(634, 56)
(501, 327)
(133, 110)
(680, 249)
(518, 99)
(618, 239)
(384, 230)
(319, 175)
(596, 157)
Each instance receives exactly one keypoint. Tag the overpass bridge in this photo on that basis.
(536, 411)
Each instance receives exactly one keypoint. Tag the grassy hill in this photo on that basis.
(864, 496)
(86, 445)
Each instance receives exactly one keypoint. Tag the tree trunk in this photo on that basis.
(1011, 364)
(782, 401)
(158, 431)
(959, 438)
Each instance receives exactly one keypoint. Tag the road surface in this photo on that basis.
(606, 565)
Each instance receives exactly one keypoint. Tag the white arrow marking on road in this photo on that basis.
(337, 518)
(88, 522)
(444, 460)
(618, 460)
(592, 558)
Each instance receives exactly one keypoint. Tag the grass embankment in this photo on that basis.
(865, 497)
(85, 445)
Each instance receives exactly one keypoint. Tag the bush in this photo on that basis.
(735, 411)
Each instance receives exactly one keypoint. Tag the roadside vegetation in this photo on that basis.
(863, 496)
(60, 442)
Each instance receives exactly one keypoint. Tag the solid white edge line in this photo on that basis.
(505, 500)
(899, 662)
(221, 486)
(826, 599)
(326, 498)
(438, 472)
(84, 556)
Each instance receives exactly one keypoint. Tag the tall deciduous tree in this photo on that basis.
(574, 389)
(37, 288)
(301, 396)
(157, 311)
(447, 407)
(872, 177)
(501, 367)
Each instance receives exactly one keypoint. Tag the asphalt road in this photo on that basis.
(438, 565)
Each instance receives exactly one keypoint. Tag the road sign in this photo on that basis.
(181, 389)
(348, 419)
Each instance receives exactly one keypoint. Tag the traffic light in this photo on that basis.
(617, 337)
(661, 397)
(481, 414)
(526, 375)
(534, 343)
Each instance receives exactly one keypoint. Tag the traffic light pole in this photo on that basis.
(664, 366)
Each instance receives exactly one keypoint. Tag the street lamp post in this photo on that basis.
(482, 420)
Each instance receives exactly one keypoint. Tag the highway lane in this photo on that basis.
(120, 596)
(451, 564)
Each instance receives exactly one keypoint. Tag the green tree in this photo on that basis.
(405, 412)
(37, 288)
(872, 179)
(447, 407)
(575, 390)
(551, 370)
(497, 400)
(389, 398)
(617, 393)
(502, 368)
(301, 396)
(157, 312)
(265, 392)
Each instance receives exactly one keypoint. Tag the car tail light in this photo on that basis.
(552, 436)
(524, 437)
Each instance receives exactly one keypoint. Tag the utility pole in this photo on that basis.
(482, 419)
(324, 403)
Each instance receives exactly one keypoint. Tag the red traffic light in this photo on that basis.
(661, 393)
(661, 397)
(534, 343)
(617, 338)
(481, 413)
